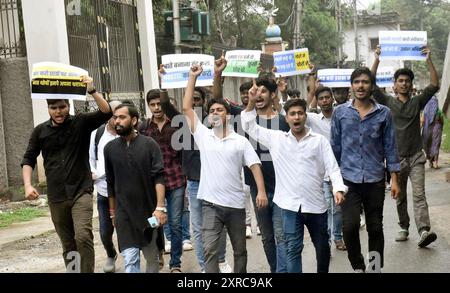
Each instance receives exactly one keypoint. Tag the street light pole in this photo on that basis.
(176, 26)
(355, 25)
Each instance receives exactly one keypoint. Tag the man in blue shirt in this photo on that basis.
(363, 137)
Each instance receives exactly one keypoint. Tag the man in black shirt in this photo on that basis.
(135, 175)
(406, 111)
(64, 143)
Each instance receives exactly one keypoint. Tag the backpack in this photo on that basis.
(98, 136)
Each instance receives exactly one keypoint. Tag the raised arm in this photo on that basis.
(312, 80)
(248, 118)
(101, 102)
(188, 99)
(169, 110)
(434, 77)
(219, 67)
(376, 63)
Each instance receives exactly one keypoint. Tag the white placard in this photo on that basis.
(402, 45)
(177, 67)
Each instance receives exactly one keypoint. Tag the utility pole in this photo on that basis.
(339, 31)
(297, 32)
(176, 26)
(177, 41)
(298, 24)
(355, 24)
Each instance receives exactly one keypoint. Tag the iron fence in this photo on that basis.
(12, 37)
(104, 39)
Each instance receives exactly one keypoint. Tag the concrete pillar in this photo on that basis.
(444, 103)
(17, 114)
(148, 45)
(46, 39)
(3, 169)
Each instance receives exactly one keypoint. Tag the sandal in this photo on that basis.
(175, 270)
(340, 245)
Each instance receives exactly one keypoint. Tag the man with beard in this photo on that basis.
(406, 111)
(64, 142)
(135, 176)
(160, 128)
(99, 139)
(363, 137)
(301, 158)
(223, 154)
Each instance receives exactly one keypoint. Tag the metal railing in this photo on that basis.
(104, 39)
(12, 38)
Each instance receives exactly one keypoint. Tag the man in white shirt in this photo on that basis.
(223, 154)
(321, 124)
(99, 139)
(301, 159)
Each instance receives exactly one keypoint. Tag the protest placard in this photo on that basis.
(402, 45)
(335, 78)
(54, 81)
(290, 63)
(177, 67)
(242, 63)
(385, 77)
(341, 78)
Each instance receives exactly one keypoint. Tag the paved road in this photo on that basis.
(42, 253)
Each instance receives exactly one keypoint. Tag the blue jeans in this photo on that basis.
(185, 226)
(132, 258)
(334, 214)
(195, 206)
(293, 224)
(105, 225)
(175, 203)
(270, 222)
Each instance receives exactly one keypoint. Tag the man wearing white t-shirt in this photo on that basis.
(99, 139)
(301, 159)
(223, 154)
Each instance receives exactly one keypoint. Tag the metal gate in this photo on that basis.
(104, 39)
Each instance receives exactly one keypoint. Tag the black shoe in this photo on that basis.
(426, 238)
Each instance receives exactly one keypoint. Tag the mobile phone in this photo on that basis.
(153, 221)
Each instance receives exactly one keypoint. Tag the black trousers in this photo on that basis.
(371, 196)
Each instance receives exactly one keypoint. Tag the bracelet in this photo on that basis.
(93, 91)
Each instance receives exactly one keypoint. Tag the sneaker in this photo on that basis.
(359, 271)
(402, 235)
(110, 265)
(187, 245)
(225, 268)
(340, 245)
(248, 232)
(167, 247)
(258, 231)
(426, 238)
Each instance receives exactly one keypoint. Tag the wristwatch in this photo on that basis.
(161, 209)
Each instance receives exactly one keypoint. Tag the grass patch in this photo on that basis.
(20, 215)
(446, 136)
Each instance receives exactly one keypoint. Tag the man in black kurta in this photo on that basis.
(135, 176)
